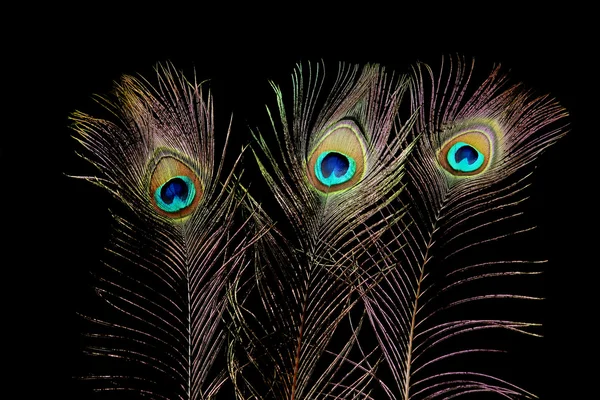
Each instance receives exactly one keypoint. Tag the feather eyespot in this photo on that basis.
(338, 160)
(333, 168)
(466, 154)
(175, 194)
(175, 189)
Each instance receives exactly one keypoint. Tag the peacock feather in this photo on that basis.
(383, 263)
(337, 164)
(170, 258)
(452, 279)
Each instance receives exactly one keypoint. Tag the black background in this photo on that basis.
(57, 227)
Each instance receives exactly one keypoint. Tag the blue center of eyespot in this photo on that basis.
(333, 168)
(464, 158)
(175, 194)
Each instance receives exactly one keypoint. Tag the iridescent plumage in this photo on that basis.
(465, 183)
(389, 213)
(169, 260)
(310, 268)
